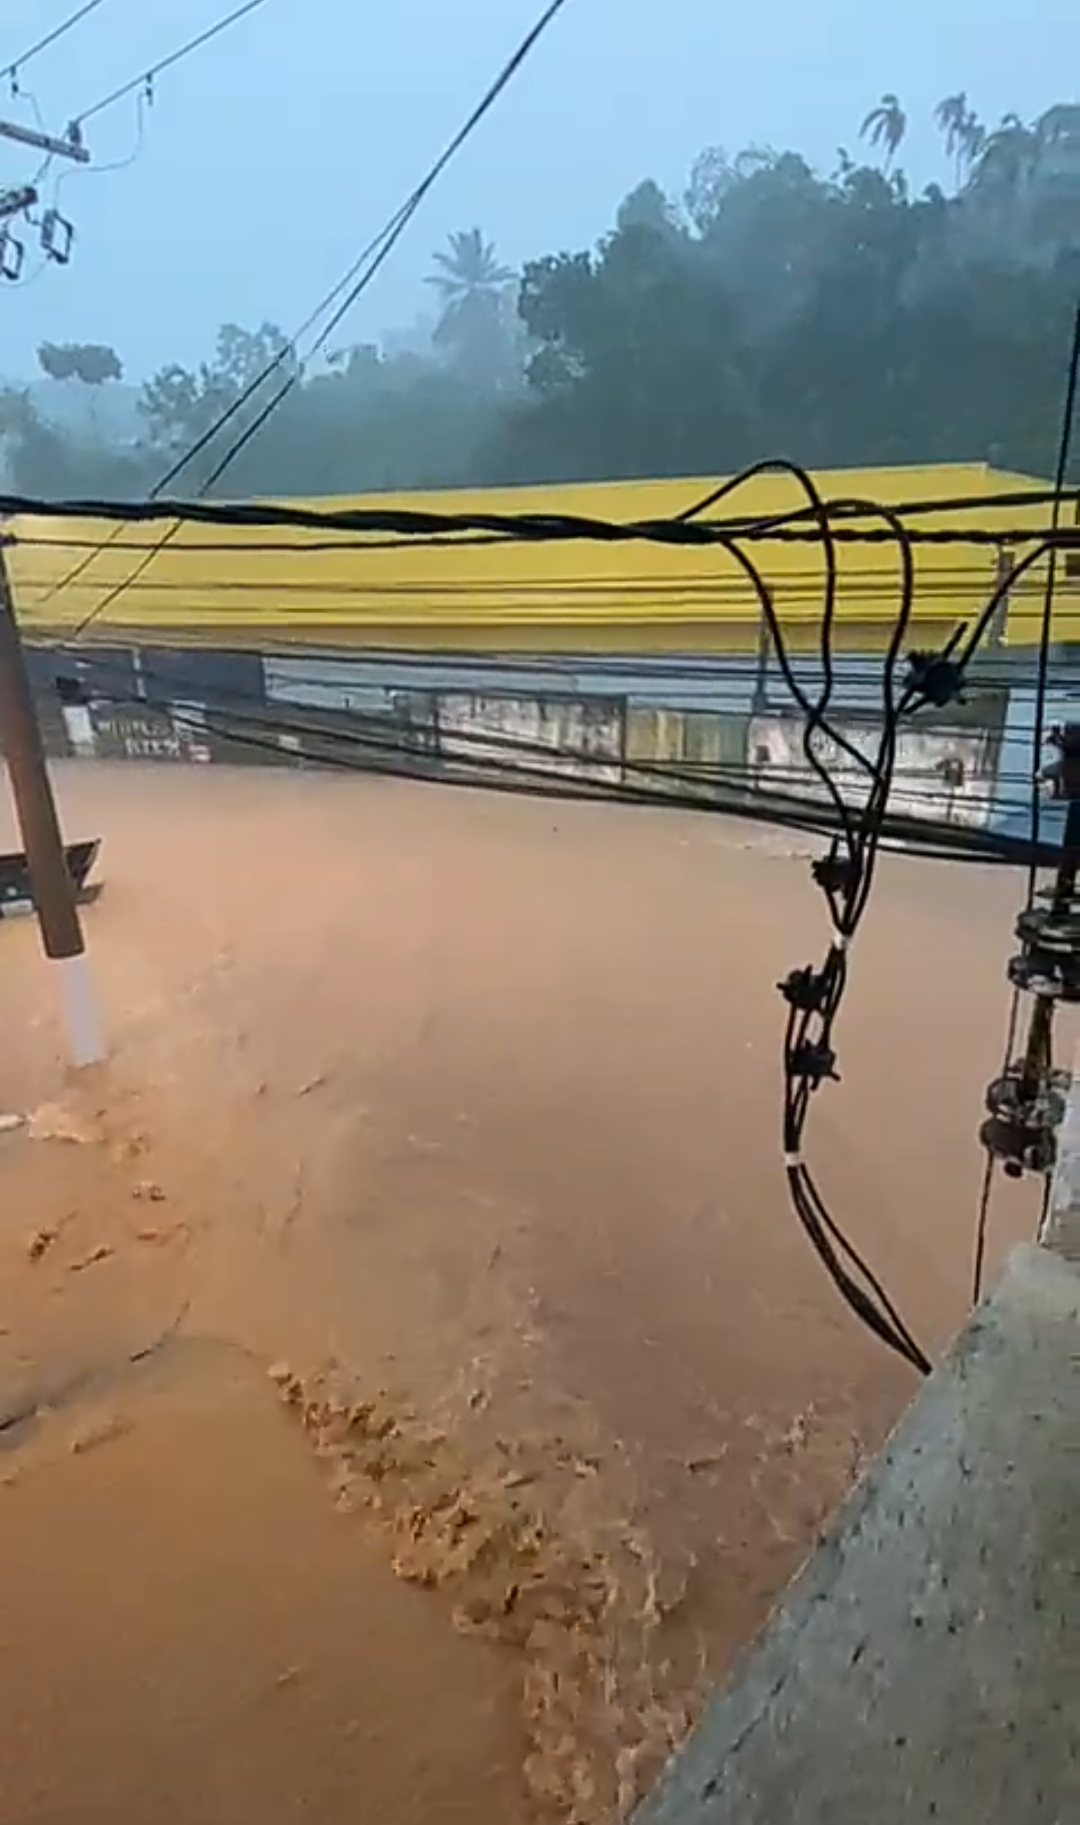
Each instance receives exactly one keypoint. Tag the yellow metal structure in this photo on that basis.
(185, 584)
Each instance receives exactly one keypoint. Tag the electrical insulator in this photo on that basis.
(57, 236)
(12, 255)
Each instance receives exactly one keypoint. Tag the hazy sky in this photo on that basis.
(270, 157)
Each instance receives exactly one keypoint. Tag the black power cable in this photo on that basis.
(148, 75)
(344, 294)
(542, 528)
(734, 787)
(143, 84)
(374, 258)
(349, 740)
(51, 37)
(552, 528)
(813, 997)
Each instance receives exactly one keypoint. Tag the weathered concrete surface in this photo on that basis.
(926, 1665)
(1061, 1231)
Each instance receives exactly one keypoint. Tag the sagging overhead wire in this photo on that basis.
(338, 301)
(413, 524)
(294, 715)
(149, 75)
(344, 295)
(482, 529)
(142, 86)
(13, 70)
(354, 739)
(845, 875)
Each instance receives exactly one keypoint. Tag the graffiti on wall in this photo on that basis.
(135, 731)
(572, 737)
(395, 716)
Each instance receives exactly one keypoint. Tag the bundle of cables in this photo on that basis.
(845, 875)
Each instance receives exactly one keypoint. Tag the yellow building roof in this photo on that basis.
(216, 586)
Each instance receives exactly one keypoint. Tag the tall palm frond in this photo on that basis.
(885, 126)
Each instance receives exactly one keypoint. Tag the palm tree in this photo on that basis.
(953, 117)
(885, 126)
(472, 283)
(965, 135)
(1008, 153)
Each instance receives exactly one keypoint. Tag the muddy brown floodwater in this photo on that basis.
(414, 1387)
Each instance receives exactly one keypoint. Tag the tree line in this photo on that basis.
(838, 318)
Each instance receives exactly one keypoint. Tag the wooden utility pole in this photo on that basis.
(39, 825)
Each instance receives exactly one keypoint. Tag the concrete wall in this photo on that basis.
(575, 737)
(926, 1664)
(192, 705)
(945, 774)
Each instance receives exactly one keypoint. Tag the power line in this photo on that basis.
(51, 38)
(155, 70)
(72, 144)
(696, 686)
(943, 580)
(348, 289)
(350, 739)
(845, 875)
(542, 528)
(365, 268)
(410, 524)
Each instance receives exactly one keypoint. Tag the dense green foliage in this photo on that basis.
(836, 319)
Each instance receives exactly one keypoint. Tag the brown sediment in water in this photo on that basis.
(473, 1101)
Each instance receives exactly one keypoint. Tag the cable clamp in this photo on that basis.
(835, 873)
(935, 678)
(804, 990)
(813, 1062)
(793, 1161)
(840, 940)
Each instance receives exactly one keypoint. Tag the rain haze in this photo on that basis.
(271, 156)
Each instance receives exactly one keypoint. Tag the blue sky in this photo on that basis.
(271, 156)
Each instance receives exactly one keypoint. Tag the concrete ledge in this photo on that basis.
(926, 1664)
(1061, 1231)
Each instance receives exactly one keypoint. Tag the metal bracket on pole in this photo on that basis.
(70, 146)
(13, 202)
(1026, 1106)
